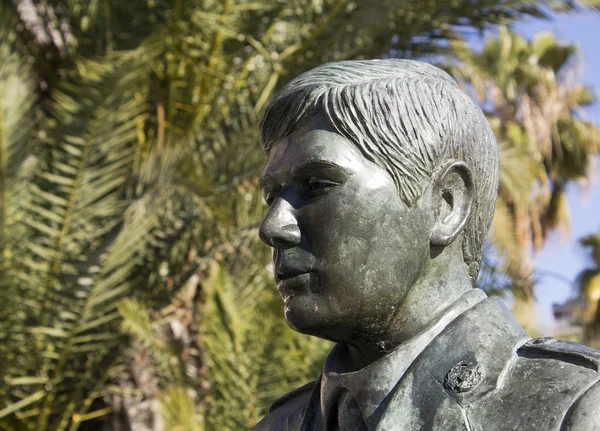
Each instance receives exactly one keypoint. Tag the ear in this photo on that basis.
(453, 192)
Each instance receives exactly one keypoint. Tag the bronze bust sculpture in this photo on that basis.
(381, 179)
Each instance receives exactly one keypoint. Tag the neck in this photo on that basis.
(444, 281)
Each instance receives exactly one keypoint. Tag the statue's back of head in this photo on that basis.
(406, 116)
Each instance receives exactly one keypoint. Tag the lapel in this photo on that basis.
(483, 338)
(310, 420)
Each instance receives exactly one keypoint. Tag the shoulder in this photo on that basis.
(544, 383)
(286, 413)
(573, 370)
(563, 351)
(584, 414)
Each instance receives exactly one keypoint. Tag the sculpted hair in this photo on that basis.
(408, 117)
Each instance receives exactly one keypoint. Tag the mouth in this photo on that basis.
(288, 274)
(293, 272)
(291, 284)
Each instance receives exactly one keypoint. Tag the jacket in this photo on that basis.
(481, 373)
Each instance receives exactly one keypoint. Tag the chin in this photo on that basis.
(304, 315)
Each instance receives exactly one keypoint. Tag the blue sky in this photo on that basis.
(562, 254)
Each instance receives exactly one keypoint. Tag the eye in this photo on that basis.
(319, 186)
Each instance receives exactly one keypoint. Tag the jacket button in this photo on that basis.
(463, 377)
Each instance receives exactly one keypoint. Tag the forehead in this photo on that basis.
(313, 142)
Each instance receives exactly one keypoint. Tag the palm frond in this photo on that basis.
(252, 357)
(179, 410)
(531, 95)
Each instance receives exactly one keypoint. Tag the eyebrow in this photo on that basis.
(267, 180)
(319, 164)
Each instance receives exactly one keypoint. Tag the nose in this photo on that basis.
(280, 227)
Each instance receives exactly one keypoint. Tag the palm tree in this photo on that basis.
(128, 163)
(588, 282)
(533, 99)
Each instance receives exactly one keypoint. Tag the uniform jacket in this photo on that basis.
(481, 373)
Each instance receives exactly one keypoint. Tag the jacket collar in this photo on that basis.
(480, 341)
(371, 386)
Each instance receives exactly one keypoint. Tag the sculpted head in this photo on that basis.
(381, 178)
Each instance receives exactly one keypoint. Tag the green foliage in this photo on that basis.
(179, 410)
(588, 282)
(252, 356)
(532, 96)
(78, 251)
(17, 162)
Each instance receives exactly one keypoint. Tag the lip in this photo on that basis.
(291, 262)
(290, 285)
(288, 273)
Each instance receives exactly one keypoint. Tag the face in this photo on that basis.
(346, 249)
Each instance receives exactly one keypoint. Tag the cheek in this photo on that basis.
(367, 244)
(355, 231)
(344, 214)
